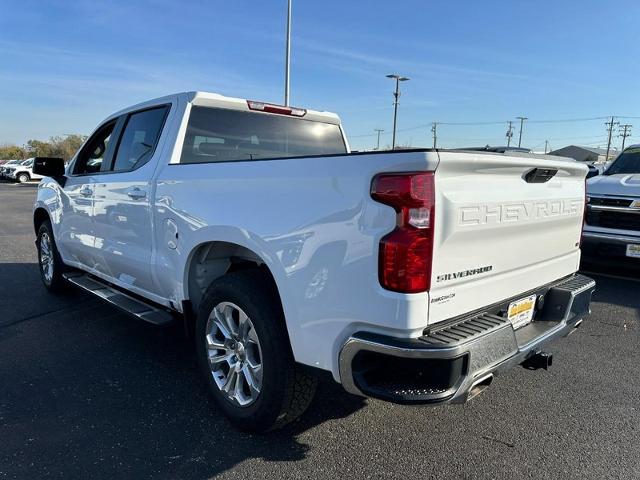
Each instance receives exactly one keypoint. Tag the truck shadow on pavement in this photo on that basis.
(88, 392)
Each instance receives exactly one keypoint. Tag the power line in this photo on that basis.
(472, 124)
(569, 120)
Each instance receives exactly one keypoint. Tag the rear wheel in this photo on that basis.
(244, 351)
(49, 261)
(23, 177)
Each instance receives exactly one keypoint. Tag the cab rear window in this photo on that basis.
(219, 135)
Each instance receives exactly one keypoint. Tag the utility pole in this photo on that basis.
(522, 119)
(396, 98)
(434, 131)
(509, 134)
(626, 132)
(379, 131)
(610, 124)
(546, 146)
(287, 67)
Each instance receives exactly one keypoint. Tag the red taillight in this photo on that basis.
(406, 253)
(279, 109)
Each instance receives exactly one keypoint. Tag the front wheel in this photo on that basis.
(243, 349)
(23, 178)
(49, 261)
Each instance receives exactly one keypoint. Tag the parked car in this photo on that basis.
(4, 169)
(612, 223)
(411, 276)
(23, 172)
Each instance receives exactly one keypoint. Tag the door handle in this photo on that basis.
(136, 193)
(86, 192)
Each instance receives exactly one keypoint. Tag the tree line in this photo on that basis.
(62, 146)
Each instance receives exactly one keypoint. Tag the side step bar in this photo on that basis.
(134, 306)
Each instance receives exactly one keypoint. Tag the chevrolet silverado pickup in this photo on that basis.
(410, 276)
(612, 223)
(22, 172)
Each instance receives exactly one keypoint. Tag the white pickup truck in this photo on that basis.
(410, 276)
(22, 172)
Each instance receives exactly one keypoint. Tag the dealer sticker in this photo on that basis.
(521, 311)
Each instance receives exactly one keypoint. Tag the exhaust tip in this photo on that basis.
(480, 386)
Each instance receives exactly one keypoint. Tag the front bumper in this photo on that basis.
(452, 361)
(598, 240)
(598, 244)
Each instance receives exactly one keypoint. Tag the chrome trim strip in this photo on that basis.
(607, 208)
(612, 197)
(610, 236)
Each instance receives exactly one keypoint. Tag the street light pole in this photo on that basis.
(396, 97)
(522, 119)
(288, 56)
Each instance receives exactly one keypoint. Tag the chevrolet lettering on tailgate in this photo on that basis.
(491, 213)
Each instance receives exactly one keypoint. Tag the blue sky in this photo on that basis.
(65, 65)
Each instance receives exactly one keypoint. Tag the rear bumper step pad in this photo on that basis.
(445, 364)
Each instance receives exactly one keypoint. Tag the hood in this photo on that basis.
(624, 184)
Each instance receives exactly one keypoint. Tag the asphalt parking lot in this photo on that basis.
(88, 392)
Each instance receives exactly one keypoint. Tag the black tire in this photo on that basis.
(286, 390)
(54, 282)
(23, 178)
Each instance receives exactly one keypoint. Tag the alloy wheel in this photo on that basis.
(46, 257)
(234, 354)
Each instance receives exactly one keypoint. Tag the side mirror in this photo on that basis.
(593, 172)
(49, 167)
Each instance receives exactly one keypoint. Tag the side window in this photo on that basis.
(92, 155)
(139, 138)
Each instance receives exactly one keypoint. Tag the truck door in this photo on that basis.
(122, 201)
(76, 236)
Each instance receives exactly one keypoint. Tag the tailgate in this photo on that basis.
(500, 232)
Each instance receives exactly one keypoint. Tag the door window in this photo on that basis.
(139, 139)
(91, 157)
